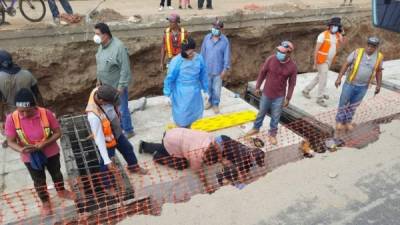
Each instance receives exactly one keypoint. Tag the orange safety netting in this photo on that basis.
(109, 197)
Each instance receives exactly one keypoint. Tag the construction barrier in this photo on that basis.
(109, 197)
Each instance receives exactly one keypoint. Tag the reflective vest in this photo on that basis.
(360, 52)
(22, 138)
(111, 142)
(171, 52)
(323, 51)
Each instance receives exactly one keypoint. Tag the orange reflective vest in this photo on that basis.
(22, 138)
(171, 51)
(323, 51)
(111, 142)
(360, 52)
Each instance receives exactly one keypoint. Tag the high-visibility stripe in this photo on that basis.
(377, 64)
(168, 40)
(111, 142)
(44, 121)
(360, 53)
(323, 51)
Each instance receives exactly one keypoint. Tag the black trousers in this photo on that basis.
(39, 177)
(200, 3)
(162, 3)
(161, 156)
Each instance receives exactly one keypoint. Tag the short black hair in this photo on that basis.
(104, 29)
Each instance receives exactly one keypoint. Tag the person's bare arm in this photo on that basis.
(12, 143)
(378, 81)
(343, 70)
(53, 138)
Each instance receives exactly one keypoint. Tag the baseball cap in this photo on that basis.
(218, 24)
(174, 18)
(286, 46)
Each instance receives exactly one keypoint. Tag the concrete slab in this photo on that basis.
(165, 184)
(391, 73)
(150, 125)
(372, 108)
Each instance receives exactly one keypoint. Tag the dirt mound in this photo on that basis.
(107, 15)
(67, 73)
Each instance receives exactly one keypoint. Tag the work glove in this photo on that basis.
(205, 96)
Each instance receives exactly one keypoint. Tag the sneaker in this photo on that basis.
(326, 97)
(216, 109)
(190, 7)
(141, 147)
(161, 8)
(253, 131)
(129, 135)
(306, 94)
(138, 170)
(209, 7)
(170, 7)
(272, 140)
(321, 102)
(208, 106)
(56, 21)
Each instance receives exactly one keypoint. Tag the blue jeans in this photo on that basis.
(273, 105)
(214, 89)
(126, 120)
(54, 10)
(350, 99)
(126, 150)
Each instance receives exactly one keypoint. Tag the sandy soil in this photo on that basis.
(346, 187)
(149, 9)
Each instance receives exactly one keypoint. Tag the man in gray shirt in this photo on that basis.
(113, 68)
(361, 68)
(13, 79)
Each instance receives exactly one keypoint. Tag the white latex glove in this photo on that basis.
(205, 96)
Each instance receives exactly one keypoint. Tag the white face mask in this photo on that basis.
(334, 29)
(97, 39)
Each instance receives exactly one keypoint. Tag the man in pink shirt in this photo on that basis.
(33, 132)
(182, 148)
(279, 73)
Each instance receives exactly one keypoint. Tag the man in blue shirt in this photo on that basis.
(216, 53)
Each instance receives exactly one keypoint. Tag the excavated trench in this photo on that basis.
(66, 72)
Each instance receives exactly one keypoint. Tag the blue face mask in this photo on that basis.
(281, 56)
(215, 32)
(334, 29)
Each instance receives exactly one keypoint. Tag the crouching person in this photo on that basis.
(104, 120)
(182, 148)
(33, 132)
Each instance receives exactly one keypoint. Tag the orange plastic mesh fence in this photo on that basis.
(108, 201)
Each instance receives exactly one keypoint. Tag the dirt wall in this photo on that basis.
(66, 73)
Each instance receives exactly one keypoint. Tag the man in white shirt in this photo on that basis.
(106, 128)
(328, 43)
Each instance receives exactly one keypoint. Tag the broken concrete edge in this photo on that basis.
(233, 20)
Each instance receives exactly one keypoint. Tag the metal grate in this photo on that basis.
(82, 160)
